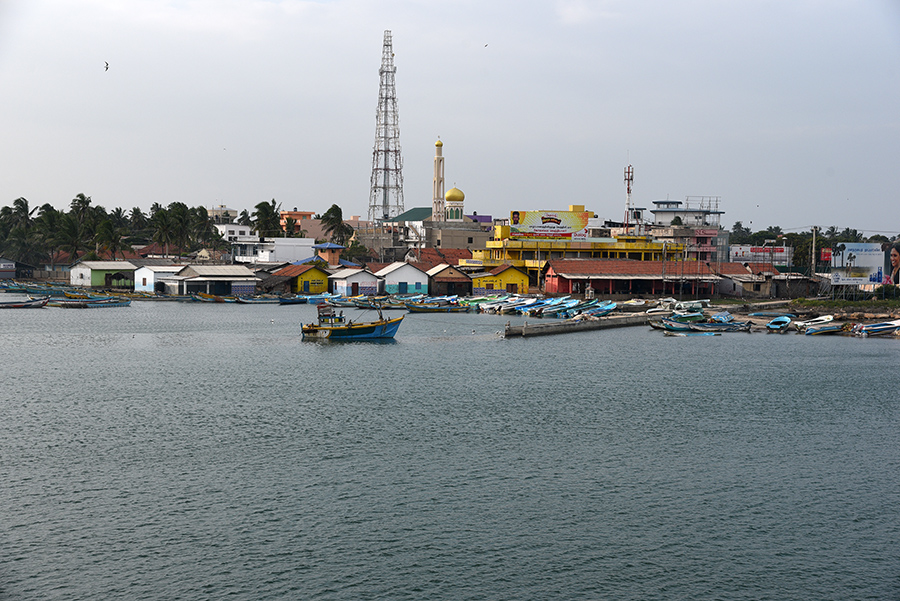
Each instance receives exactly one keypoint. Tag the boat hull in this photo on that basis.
(375, 330)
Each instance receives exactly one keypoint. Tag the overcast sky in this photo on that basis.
(788, 111)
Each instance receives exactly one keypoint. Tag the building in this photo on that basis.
(301, 279)
(219, 280)
(148, 278)
(302, 220)
(446, 280)
(402, 278)
(284, 250)
(102, 274)
(504, 278)
(611, 278)
(532, 238)
(353, 282)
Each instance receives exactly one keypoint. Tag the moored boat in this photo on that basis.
(29, 303)
(779, 324)
(332, 326)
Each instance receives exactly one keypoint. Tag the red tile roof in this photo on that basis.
(292, 271)
(427, 258)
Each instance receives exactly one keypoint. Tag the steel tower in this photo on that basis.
(386, 187)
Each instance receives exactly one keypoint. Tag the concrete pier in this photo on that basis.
(569, 325)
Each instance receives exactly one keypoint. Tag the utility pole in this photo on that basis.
(386, 185)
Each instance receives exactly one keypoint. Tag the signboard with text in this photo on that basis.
(857, 264)
(776, 255)
(549, 225)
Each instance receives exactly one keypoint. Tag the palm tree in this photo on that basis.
(334, 226)
(21, 215)
(79, 207)
(111, 239)
(244, 219)
(163, 229)
(180, 217)
(69, 236)
(266, 219)
(290, 225)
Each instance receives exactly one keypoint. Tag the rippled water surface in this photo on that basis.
(194, 451)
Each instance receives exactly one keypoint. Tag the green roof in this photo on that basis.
(418, 214)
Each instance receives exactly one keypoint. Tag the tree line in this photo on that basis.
(42, 235)
(825, 238)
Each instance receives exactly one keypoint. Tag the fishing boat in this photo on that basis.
(671, 333)
(818, 321)
(436, 308)
(335, 326)
(294, 299)
(637, 305)
(719, 326)
(826, 328)
(779, 324)
(877, 329)
(691, 305)
(674, 326)
(29, 303)
(89, 303)
(257, 300)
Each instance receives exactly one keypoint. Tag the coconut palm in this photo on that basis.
(69, 236)
(163, 229)
(111, 238)
(266, 219)
(334, 226)
(79, 207)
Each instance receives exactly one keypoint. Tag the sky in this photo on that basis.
(789, 112)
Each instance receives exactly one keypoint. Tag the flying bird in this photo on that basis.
(106, 68)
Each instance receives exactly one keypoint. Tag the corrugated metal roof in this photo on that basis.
(108, 265)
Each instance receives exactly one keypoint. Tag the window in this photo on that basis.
(143, 281)
(489, 286)
(470, 240)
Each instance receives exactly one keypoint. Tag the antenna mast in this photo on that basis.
(629, 207)
(386, 185)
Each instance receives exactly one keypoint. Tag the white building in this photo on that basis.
(147, 277)
(353, 282)
(403, 278)
(285, 250)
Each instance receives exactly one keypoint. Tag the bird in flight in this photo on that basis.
(106, 68)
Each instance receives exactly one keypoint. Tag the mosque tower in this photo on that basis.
(437, 202)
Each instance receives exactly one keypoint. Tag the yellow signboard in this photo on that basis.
(549, 225)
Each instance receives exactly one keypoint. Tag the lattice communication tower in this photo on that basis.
(386, 186)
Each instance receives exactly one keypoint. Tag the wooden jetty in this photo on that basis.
(575, 325)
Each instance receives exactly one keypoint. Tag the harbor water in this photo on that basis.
(197, 451)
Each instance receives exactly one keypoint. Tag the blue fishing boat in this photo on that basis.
(826, 328)
(779, 324)
(335, 326)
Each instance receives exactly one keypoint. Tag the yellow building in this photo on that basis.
(504, 278)
(305, 279)
(535, 237)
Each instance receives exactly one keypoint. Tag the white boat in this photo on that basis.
(818, 321)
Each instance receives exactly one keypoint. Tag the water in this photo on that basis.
(195, 451)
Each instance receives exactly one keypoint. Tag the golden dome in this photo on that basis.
(438, 143)
(454, 195)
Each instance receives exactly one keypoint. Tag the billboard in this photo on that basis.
(857, 264)
(548, 225)
(782, 256)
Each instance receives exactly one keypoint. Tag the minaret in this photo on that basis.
(437, 201)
